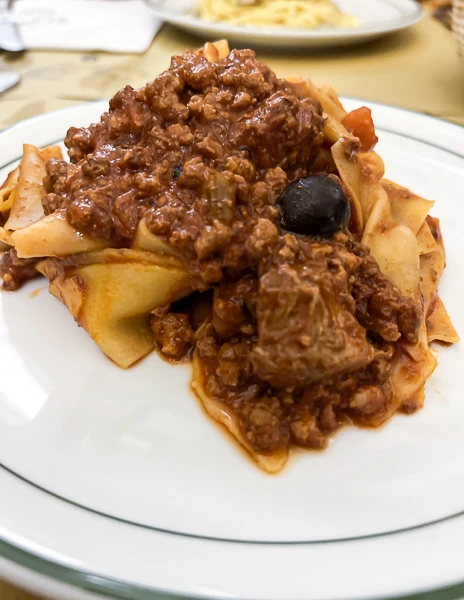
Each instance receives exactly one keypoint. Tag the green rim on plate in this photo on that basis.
(118, 589)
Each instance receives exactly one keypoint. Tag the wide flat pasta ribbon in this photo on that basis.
(111, 294)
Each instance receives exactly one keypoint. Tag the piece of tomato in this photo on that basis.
(359, 122)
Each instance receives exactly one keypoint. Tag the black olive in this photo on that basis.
(314, 205)
(177, 172)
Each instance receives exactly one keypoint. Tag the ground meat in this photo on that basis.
(202, 153)
(57, 172)
(207, 347)
(233, 304)
(233, 366)
(368, 399)
(212, 239)
(173, 334)
(14, 271)
(265, 425)
(305, 430)
(380, 307)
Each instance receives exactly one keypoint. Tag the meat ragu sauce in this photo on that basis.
(303, 329)
(202, 154)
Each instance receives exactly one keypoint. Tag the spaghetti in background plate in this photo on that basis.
(89, 445)
(297, 14)
(320, 23)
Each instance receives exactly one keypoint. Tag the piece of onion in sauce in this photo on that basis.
(220, 193)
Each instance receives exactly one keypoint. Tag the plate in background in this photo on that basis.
(377, 17)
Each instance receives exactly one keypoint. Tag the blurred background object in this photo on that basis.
(458, 24)
(109, 25)
(8, 79)
(440, 9)
(11, 41)
(290, 24)
(10, 37)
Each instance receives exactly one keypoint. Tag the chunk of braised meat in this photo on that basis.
(173, 334)
(380, 307)
(14, 271)
(233, 305)
(306, 324)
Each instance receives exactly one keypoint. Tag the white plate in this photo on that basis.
(377, 17)
(116, 480)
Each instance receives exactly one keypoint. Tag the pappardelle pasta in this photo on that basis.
(241, 221)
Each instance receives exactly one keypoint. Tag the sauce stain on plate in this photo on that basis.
(36, 292)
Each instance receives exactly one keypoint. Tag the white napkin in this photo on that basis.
(109, 25)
